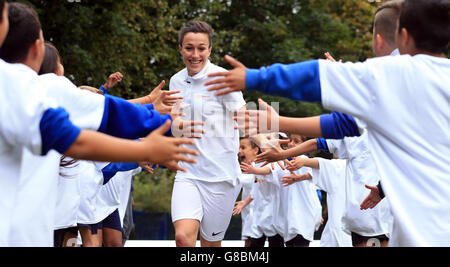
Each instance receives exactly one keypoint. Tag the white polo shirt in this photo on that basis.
(404, 101)
(219, 146)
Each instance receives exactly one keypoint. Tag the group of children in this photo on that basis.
(393, 138)
(400, 102)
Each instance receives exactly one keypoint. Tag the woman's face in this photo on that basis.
(195, 51)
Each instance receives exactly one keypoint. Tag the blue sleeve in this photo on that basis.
(338, 125)
(322, 145)
(104, 90)
(57, 131)
(126, 120)
(110, 170)
(299, 81)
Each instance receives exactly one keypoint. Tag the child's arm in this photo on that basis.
(276, 154)
(155, 148)
(240, 205)
(300, 162)
(112, 81)
(166, 97)
(295, 178)
(250, 169)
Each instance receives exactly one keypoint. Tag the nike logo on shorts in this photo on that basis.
(214, 234)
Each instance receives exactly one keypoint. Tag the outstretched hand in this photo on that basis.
(231, 81)
(253, 122)
(238, 207)
(372, 199)
(272, 154)
(167, 151)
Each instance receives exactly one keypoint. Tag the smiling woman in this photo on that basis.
(195, 42)
(203, 198)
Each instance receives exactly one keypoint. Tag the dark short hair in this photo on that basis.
(2, 6)
(386, 20)
(51, 59)
(428, 21)
(196, 27)
(24, 30)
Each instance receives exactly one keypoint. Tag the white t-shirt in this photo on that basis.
(266, 198)
(21, 111)
(41, 174)
(361, 170)
(404, 101)
(91, 182)
(219, 146)
(68, 199)
(114, 195)
(300, 210)
(330, 177)
(247, 181)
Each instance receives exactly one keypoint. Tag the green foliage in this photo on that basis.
(153, 193)
(139, 39)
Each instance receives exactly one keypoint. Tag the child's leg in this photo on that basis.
(258, 242)
(112, 230)
(70, 237)
(112, 237)
(89, 237)
(298, 241)
(276, 241)
(369, 241)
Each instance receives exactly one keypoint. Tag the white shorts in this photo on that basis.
(211, 203)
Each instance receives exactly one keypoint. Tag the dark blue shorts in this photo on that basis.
(112, 221)
(93, 227)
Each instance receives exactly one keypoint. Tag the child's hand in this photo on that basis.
(167, 96)
(167, 151)
(295, 164)
(294, 178)
(253, 122)
(247, 168)
(238, 207)
(146, 166)
(372, 199)
(330, 58)
(232, 81)
(272, 154)
(113, 79)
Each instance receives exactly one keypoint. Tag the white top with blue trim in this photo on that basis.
(404, 101)
(21, 109)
